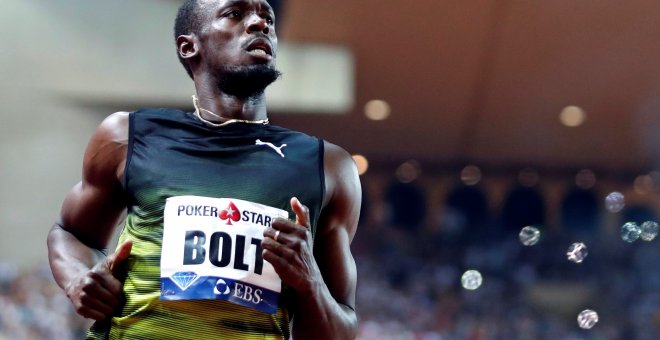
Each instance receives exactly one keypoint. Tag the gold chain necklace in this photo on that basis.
(231, 121)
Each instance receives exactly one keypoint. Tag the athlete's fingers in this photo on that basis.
(288, 227)
(301, 211)
(89, 298)
(115, 260)
(273, 259)
(107, 281)
(297, 242)
(302, 219)
(100, 292)
(287, 245)
(93, 303)
(114, 286)
(284, 224)
(90, 313)
(276, 235)
(277, 246)
(114, 264)
(293, 272)
(282, 266)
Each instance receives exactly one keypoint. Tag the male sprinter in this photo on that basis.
(207, 250)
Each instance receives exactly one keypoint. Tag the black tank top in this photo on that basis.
(172, 153)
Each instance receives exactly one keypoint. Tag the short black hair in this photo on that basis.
(187, 21)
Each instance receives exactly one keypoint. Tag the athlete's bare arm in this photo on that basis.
(324, 277)
(89, 215)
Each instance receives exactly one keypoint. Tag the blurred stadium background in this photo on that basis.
(470, 120)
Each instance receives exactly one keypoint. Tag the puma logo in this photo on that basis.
(276, 148)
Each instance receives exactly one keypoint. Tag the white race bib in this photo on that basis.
(212, 250)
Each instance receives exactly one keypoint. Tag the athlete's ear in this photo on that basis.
(187, 46)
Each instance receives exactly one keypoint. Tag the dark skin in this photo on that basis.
(321, 272)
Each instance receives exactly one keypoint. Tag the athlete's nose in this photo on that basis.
(256, 23)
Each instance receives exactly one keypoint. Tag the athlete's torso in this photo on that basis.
(171, 153)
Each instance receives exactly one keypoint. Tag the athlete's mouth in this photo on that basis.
(259, 51)
(260, 47)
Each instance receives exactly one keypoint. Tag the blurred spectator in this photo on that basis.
(406, 205)
(409, 287)
(32, 306)
(638, 213)
(524, 206)
(469, 207)
(579, 212)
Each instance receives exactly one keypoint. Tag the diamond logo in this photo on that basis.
(184, 279)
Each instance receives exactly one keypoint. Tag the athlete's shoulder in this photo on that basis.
(106, 150)
(343, 189)
(114, 128)
(337, 153)
(339, 165)
(120, 120)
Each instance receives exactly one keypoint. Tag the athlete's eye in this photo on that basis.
(269, 19)
(234, 14)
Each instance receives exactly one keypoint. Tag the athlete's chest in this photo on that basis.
(264, 169)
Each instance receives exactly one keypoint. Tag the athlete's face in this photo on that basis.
(237, 33)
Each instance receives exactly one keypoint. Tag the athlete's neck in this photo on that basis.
(227, 106)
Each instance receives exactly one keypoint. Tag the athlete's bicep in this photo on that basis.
(90, 213)
(337, 226)
(93, 207)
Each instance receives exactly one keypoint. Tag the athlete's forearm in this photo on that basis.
(68, 256)
(318, 315)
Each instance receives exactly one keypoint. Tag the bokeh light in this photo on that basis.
(529, 236)
(362, 163)
(471, 280)
(649, 230)
(572, 116)
(377, 109)
(614, 202)
(587, 319)
(630, 232)
(408, 171)
(585, 179)
(644, 184)
(577, 252)
(471, 175)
